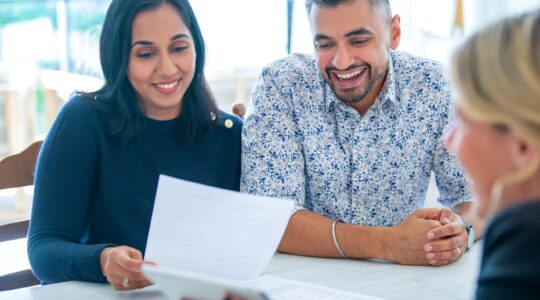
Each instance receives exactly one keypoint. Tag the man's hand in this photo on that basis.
(122, 267)
(448, 242)
(406, 240)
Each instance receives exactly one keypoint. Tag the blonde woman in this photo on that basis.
(497, 140)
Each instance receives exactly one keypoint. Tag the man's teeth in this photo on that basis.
(168, 85)
(349, 75)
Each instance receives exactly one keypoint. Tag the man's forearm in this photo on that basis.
(310, 234)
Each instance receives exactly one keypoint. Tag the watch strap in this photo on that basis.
(470, 231)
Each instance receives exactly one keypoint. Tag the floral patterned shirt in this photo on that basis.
(301, 142)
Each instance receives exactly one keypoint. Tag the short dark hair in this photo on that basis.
(332, 3)
(118, 98)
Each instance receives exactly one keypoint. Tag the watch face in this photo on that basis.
(470, 242)
(470, 233)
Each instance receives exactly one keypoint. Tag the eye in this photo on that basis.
(179, 48)
(322, 45)
(359, 42)
(501, 127)
(145, 55)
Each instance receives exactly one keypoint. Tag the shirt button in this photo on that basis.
(228, 123)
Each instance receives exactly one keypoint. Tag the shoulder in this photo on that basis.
(79, 103)
(293, 66)
(76, 129)
(423, 84)
(293, 62)
(226, 134)
(286, 83)
(515, 230)
(228, 122)
(517, 218)
(510, 258)
(405, 63)
(421, 75)
(80, 111)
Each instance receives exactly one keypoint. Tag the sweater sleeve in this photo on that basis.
(64, 178)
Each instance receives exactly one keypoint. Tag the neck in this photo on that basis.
(365, 104)
(522, 192)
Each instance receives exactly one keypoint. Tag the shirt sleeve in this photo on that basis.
(272, 155)
(452, 182)
(64, 178)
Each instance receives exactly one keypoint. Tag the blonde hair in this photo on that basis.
(497, 75)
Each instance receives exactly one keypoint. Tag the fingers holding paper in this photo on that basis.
(122, 267)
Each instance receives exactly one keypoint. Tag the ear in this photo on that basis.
(395, 32)
(524, 153)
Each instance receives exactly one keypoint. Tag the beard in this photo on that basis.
(359, 92)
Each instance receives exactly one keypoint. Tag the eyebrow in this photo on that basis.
(359, 31)
(148, 43)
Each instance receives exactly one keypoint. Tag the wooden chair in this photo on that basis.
(16, 171)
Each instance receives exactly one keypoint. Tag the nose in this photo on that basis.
(167, 67)
(342, 58)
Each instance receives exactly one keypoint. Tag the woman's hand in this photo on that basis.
(122, 267)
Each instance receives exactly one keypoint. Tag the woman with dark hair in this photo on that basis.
(98, 169)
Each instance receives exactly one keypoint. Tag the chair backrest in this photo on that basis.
(16, 171)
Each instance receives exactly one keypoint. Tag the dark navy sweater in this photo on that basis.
(91, 192)
(511, 256)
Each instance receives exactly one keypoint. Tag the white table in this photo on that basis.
(376, 278)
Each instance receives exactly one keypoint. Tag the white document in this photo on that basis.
(212, 231)
(176, 284)
(277, 288)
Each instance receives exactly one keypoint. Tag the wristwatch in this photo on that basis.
(470, 233)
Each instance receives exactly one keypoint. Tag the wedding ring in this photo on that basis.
(458, 252)
(125, 283)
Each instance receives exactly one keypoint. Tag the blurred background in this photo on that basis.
(49, 48)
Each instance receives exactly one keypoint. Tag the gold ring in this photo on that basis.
(125, 283)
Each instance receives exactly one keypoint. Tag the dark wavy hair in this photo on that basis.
(385, 4)
(117, 96)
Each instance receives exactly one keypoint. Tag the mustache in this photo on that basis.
(349, 68)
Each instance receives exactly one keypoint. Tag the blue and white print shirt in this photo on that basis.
(300, 142)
